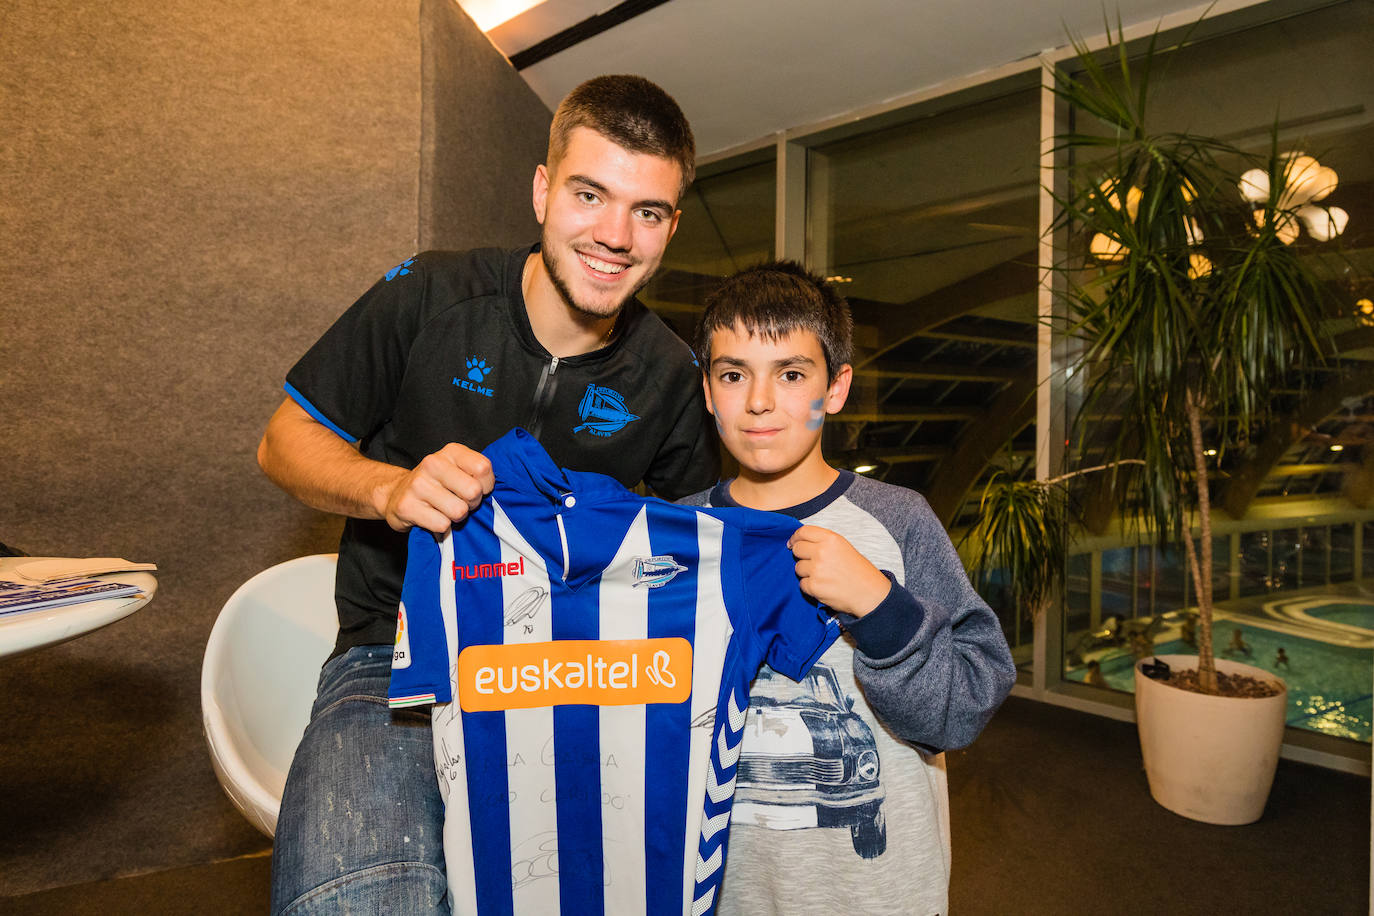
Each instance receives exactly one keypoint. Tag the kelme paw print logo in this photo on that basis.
(477, 373)
(478, 370)
(400, 270)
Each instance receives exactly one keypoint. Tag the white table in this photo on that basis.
(49, 626)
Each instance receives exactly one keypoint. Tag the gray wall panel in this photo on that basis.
(484, 132)
(189, 195)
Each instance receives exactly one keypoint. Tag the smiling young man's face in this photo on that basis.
(607, 214)
(770, 399)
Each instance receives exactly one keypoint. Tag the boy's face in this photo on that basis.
(607, 214)
(770, 398)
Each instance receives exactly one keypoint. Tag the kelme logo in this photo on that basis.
(400, 270)
(477, 372)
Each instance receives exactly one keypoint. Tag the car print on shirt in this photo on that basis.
(810, 761)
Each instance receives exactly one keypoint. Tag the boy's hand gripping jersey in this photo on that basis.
(593, 651)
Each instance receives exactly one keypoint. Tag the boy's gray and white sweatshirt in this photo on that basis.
(841, 799)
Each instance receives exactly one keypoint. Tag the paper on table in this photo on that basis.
(50, 569)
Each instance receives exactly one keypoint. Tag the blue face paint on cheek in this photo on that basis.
(817, 416)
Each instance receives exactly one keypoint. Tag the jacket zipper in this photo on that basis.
(543, 394)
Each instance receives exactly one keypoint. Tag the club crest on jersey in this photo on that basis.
(655, 572)
(477, 371)
(602, 411)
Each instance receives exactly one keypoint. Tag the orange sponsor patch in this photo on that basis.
(594, 672)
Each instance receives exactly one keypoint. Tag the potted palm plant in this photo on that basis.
(1192, 307)
(1018, 541)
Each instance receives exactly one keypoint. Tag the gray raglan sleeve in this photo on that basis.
(938, 686)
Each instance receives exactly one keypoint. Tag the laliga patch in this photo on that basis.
(400, 656)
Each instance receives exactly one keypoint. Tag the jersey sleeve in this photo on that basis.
(349, 379)
(944, 683)
(791, 629)
(419, 663)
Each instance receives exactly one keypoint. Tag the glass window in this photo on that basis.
(1144, 581)
(1078, 614)
(727, 224)
(1316, 555)
(1367, 549)
(1254, 563)
(930, 228)
(1118, 582)
(1286, 558)
(1342, 553)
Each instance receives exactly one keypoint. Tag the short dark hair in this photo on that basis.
(773, 300)
(632, 112)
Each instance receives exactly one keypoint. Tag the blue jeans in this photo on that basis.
(362, 822)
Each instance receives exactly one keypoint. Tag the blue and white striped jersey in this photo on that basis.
(590, 653)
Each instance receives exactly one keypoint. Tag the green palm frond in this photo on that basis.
(1020, 540)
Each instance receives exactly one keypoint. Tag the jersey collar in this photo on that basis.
(720, 496)
(567, 508)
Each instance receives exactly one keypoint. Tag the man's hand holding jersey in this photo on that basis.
(442, 489)
(326, 472)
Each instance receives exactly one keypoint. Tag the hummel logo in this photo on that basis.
(488, 570)
(655, 572)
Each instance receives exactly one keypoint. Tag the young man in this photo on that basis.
(383, 422)
(841, 800)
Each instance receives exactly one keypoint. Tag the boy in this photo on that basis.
(923, 666)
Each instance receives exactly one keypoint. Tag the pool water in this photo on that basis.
(1329, 686)
(1355, 615)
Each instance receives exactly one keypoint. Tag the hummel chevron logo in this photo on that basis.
(702, 904)
(736, 714)
(713, 825)
(707, 867)
(718, 792)
(729, 756)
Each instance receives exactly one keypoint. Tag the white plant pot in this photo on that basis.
(1209, 758)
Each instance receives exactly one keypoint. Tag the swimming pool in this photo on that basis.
(1355, 615)
(1329, 683)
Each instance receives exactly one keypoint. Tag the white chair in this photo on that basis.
(257, 684)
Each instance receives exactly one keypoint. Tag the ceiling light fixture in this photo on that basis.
(488, 14)
(1305, 181)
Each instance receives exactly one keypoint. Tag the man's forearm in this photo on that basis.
(314, 465)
